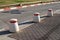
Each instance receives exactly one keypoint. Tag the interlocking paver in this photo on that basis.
(47, 30)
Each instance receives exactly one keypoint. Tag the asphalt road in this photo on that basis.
(24, 14)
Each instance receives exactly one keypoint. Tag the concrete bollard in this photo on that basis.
(50, 12)
(36, 17)
(14, 25)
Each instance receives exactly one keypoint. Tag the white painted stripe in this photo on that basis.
(52, 2)
(13, 7)
(39, 4)
(58, 2)
(44, 3)
(32, 5)
(24, 6)
(55, 2)
(1, 9)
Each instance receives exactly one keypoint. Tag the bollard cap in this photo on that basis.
(13, 20)
(49, 9)
(36, 13)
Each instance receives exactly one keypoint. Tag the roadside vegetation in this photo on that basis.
(6, 2)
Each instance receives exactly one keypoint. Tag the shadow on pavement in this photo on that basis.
(44, 16)
(5, 12)
(5, 32)
(13, 11)
(27, 22)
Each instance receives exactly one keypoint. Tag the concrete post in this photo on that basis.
(36, 17)
(50, 12)
(14, 25)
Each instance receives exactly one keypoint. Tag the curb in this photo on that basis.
(18, 7)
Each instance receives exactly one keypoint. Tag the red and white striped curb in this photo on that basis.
(18, 7)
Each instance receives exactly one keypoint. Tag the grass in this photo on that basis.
(6, 2)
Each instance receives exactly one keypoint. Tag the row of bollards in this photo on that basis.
(37, 15)
(14, 23)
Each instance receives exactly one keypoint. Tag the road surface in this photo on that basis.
(24, 14)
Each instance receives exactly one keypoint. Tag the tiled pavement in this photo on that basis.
(47, 29)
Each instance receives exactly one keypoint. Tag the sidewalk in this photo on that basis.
(47, 29)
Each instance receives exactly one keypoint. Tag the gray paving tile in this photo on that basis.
(47, 30)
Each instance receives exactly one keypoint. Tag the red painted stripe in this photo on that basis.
(35, 4)
(19, 7)
(36, 14)
(6, 9)
(12, 21)
(27, 5)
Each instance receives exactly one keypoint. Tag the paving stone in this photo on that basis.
(47, 30)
